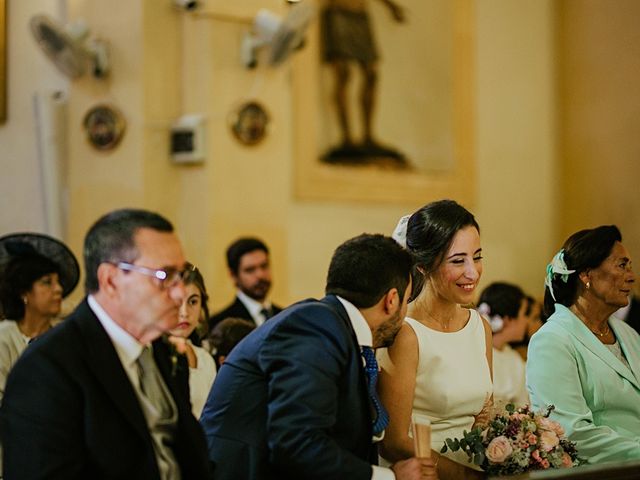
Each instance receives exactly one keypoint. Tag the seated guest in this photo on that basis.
(226, 335)
(505, 307)
(438, 370)
(36, 273)
(296, 398)
(534, 314)
(193, 313)
(101, 395)
(583, 360)
(249, 268)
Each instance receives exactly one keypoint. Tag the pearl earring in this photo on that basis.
(24, 299)
(588, 285)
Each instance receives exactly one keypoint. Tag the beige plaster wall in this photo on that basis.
(517, 139)
(600, 73)
(166, 63)
(29, 72)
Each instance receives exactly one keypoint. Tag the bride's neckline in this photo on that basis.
(466, 324)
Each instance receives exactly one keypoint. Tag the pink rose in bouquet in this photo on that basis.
(547, 424)
(516, 441)
(499, 449)
(548, 441)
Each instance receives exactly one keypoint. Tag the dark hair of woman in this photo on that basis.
(583, 250)
(201, 331)
(430, 232)
(18, 277)
(226, 335)
(503, 299)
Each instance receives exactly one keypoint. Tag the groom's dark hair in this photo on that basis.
(366, 267)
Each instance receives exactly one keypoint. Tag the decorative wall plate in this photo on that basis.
(249, 123)
(105, 126)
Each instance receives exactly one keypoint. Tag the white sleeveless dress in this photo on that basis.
(453, 380)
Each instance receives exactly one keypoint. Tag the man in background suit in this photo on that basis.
(249, 268)
(100, 395)
(293, 400)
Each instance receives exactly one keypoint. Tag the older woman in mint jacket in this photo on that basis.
(584, 361)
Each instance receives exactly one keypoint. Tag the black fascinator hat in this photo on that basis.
(17, 245)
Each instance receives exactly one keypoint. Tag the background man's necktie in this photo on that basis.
(371, 368)
(266, 313)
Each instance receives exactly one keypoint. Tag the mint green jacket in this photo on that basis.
(597, 397)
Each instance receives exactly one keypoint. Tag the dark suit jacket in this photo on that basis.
(237, 310)
(291, 401)
(70, 411)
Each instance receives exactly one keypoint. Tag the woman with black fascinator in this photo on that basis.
(36, 273)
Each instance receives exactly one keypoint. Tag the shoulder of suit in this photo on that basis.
(224, 312)
(67, 332)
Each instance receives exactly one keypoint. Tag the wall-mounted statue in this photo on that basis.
(348, 39)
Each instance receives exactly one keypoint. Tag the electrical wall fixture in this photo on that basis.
(281, 36)
(187, 139)
(187, 4)
(70, 47)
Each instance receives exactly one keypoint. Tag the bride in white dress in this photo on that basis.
(439, 367)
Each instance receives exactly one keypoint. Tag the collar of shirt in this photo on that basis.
(127, 347)
(253, 306)
(359, 324)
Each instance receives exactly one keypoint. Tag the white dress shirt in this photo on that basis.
(127, 347)
(365, 339)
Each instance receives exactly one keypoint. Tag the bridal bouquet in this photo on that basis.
(517, 441)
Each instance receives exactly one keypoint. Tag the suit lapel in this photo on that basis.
(579, 330)
(104, 363)
(174, 370)
(243, 312)
(338, 308)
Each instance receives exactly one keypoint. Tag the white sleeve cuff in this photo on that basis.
(381, 473)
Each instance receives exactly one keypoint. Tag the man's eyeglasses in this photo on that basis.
(167, 277)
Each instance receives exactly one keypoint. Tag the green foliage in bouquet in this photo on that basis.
(517, 441)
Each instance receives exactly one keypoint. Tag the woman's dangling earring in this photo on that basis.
(588, 285)
(24, 300)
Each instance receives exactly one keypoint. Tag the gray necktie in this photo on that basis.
(150, 383)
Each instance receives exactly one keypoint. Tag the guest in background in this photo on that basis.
(534, 314)
(249, 267)
(226, 335)
(36, 273)
(294, 399)
(439, 367)
(505, 307)
(583, 360)
(102, 395)
(193, 313)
